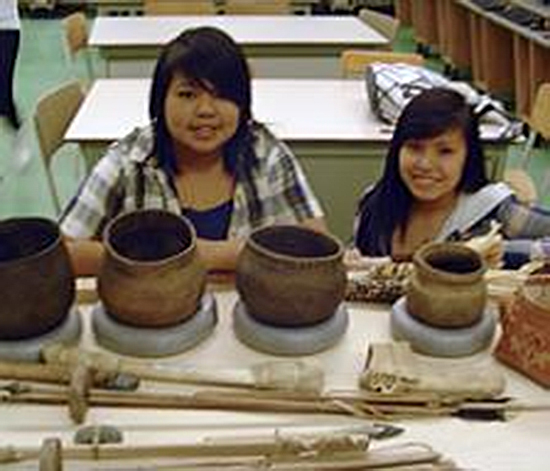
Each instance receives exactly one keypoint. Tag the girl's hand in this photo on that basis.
(354, 261)
(490, 246)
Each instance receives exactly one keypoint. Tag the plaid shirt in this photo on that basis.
(128, 174)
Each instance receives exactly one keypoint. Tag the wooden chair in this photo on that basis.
(539, 124)
(76, 39)
(53, 115)
(180, 7)
(386, 25)
(353, 62)
(257, 7)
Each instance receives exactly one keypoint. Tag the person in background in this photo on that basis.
(9, 48)
(434, 188)
(202, 156)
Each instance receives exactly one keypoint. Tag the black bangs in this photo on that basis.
(433, 112)
(213, 61)
(429, 125)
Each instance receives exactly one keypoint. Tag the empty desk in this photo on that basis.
(277, 46)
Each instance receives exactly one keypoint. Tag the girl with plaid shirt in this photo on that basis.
(202, 156)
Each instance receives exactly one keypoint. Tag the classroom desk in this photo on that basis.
(136, 7)
(276, 46)
(327, 123)
(518, 444)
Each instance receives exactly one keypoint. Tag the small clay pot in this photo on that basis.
(446, 288)
(291, 275)
(151, 274)
(37, 285)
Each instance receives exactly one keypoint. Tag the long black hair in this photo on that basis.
(210, 58)
(387, 206)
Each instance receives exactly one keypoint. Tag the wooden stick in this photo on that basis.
(222, 400)
(292, 375)
(78, 391)
(50, 458)
(60, 374)
(281, 453)
(22, 371)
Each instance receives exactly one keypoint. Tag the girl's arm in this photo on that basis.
(220, 255)
(86, 256)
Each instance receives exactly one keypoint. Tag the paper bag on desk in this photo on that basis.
(393, 368)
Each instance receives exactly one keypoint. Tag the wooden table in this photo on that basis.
(277, 46)
(327, 123)
(518, 444)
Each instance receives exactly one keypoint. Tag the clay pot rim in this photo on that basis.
(57, 239)
(459, 278)
(531, 280)
(260, 249)
(149, 263)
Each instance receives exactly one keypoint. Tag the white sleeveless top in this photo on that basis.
(9, 15)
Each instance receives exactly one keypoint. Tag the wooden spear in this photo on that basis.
(292, 375)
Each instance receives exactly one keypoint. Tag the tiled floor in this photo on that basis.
(44, 65)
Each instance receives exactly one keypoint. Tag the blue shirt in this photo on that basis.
(211, 223)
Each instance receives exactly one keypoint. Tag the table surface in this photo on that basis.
(246, 30)
(518, 444)
(295, 109)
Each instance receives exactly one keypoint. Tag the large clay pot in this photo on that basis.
(291, 275)
(525, 340)
(151, 274)
(446, 288)
(36, 280)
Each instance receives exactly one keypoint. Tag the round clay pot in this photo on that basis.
(446, 288)
(291, 275)
(36, 279)
(151, 274)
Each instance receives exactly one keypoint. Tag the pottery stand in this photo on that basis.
(155, 341)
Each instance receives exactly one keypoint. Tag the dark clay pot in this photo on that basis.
(151, 274)
(291, 275)
(37, 285)
(446, 288)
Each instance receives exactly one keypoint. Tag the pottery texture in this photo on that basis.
(446, 288)
(291, 276)
(525, 340)
(36, 280)
(151, 275)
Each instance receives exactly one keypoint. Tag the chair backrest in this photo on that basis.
(53, 114)
(76, 32)
(539, 120)
(353, 62)
(386, 25)
(179, 7)
(76, 38)
(257, 7)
